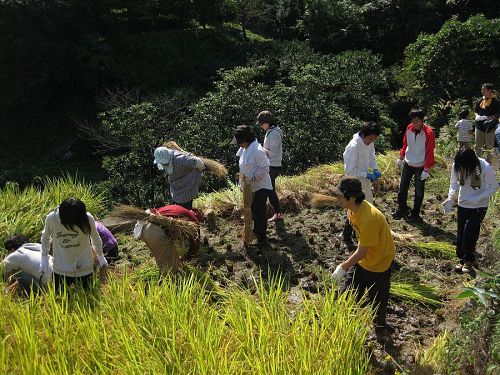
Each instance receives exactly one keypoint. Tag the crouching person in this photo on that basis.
(169, 232)
(368, 269)
(21, 267)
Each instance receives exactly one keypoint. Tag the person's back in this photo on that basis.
(464, 130)
(26, 258)
(185, 179)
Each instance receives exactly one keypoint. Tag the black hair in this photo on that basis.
(72, 211)
(15, 242)
(464, 113)
(416, 112)
(489, 86)
(244, 133)
(359, 198)
(466, 160)
(370, 128)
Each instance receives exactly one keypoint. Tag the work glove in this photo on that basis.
(399, 163)
(371, 176)
(44, 265)
(339, 273)
(424, 176)
(481, 118)
(447, 205)
(102, 261)
(377, 173)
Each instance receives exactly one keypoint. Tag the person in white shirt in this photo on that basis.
(73, 233)
(254, 170)
(273, 144)
(476, 182)
(21, 267)
(359, 158)
(465, 129)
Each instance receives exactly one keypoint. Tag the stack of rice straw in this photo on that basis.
(178, 230)
(213, 166)
(248, 234)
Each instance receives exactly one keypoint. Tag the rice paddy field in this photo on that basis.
(244, 310)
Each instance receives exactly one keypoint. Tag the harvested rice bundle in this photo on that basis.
(213, 166)
(178, 230)
(323, 201)
(248, 234)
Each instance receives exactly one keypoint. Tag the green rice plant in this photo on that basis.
(433, 359)
(416, 292)
(176, 327)
(24, 210)
(440, 250)
(224, 202)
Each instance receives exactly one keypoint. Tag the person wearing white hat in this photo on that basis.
(183, 172)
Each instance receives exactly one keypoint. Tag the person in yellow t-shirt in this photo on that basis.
(369, 267)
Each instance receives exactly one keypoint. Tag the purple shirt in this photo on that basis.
(108, 240)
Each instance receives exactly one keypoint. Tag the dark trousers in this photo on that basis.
(83, 281)
(273, 196)
(259, 214)
(187, 205)
(468, 227)
(404, 185)
(378, 285)
(347, 232)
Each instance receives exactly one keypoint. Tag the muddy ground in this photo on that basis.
(309, 242)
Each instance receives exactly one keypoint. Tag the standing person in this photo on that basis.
(73, 233)
(416, 159)
(476, 182)
(465, 129)
(273, 142)
(21, 267)
(359, 157)
(254, 170)
(487, 110)
(369, 267)
(109, 243)
(183, 172)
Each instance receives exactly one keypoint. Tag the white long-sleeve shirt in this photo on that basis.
(358, 157)
(474, 198)
(254, 164)
(27, 258)
(273, 143)
(72, 250)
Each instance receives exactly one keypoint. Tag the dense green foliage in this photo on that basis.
(452, 63)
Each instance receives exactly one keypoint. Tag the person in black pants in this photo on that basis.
(254, 171)
(273, 142)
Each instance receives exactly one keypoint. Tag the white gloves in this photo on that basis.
(481, 118)
(424, 176)
(447, 205)
(339, 273)
(399, 163)
(44, 265)
(102, 261)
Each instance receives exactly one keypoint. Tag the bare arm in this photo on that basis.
(359, 254)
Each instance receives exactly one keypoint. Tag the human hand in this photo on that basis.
(399, 163)
(447, 205)
(339, 273)
(44, 265)
(424, 176)
(371, 176)
(377, 173)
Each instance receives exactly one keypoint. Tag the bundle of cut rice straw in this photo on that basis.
(213, 166)
(176, 229)
(248, 234)
(323, 201)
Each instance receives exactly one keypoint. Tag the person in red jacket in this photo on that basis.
(416, 159)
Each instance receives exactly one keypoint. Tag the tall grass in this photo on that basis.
(24, 210)
(175, 328)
